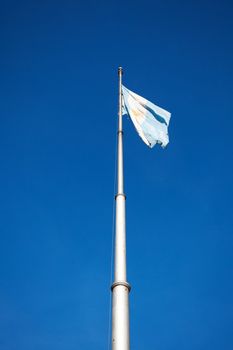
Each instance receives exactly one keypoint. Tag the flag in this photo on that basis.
(150, 121)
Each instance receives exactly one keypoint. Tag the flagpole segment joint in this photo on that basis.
(121, 283)
(120, 132)
(120, 194)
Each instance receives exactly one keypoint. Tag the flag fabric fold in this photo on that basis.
(150, 121)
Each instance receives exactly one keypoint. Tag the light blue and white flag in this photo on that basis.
(150, 121)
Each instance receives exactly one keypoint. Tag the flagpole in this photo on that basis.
(120, 287)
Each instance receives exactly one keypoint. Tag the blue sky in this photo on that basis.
(58, 113)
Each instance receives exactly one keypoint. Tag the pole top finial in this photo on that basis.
(120, 70)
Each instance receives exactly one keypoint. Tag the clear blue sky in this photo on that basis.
(58, 111)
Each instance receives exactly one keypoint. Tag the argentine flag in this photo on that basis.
(150, 121)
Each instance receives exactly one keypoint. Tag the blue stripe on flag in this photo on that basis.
(157, 116)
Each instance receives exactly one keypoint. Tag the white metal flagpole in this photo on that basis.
(120, 287)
